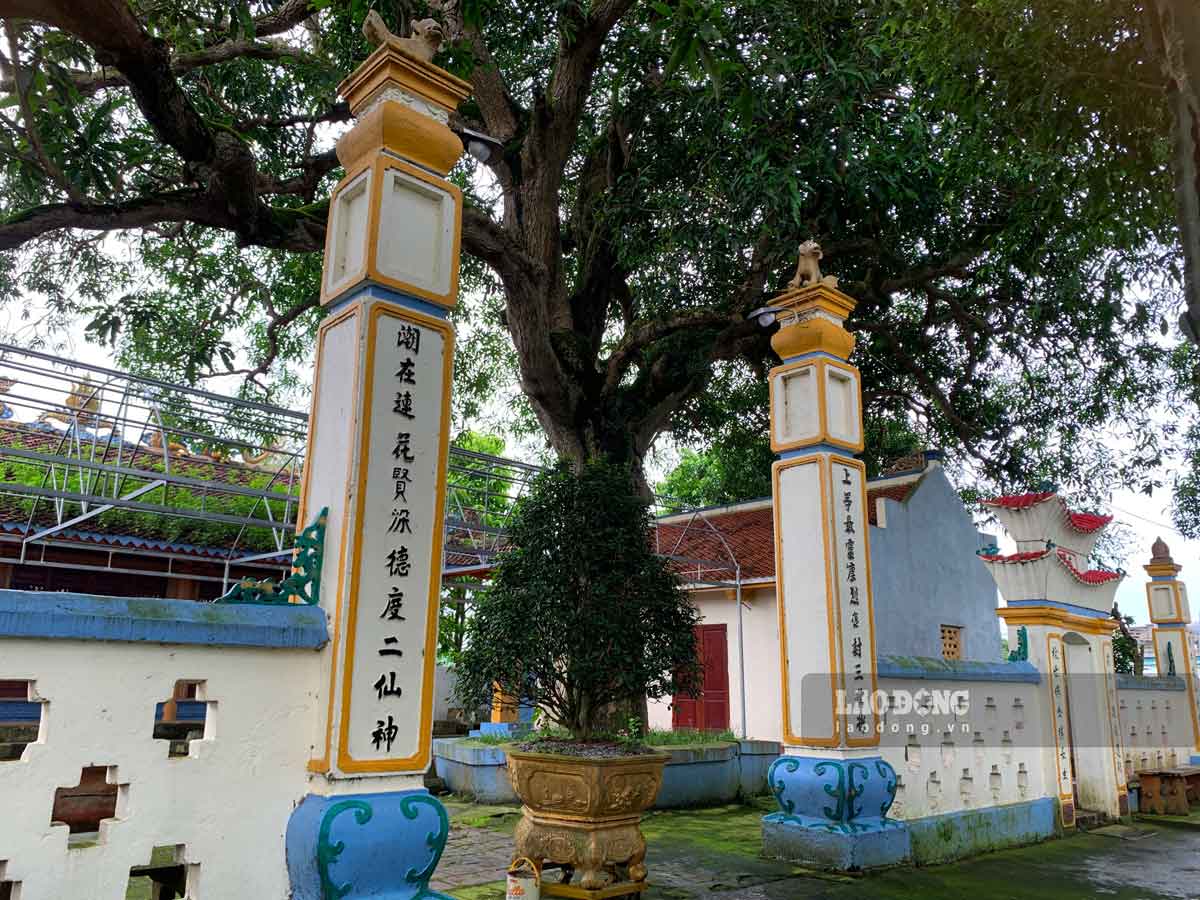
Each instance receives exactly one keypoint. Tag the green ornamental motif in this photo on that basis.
(888, 774)
(778, 787)
(839, 792)
(1021, 654)
(305, 580)
(328, 853)
(435, 840)
(853, 791)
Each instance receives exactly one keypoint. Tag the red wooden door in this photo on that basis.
(709, 711)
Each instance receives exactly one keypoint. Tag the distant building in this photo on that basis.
(933, 596)
(1143, 633)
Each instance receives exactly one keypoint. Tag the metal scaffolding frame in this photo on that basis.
(98, 441)
(85, 450)
(82, 445)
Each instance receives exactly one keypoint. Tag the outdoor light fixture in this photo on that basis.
(482, 146)
(765, 315)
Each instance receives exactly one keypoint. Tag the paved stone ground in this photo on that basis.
(712, 854)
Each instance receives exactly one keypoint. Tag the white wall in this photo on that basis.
(760, 624)
(228, 802)
(1156, 730)
(988, 756)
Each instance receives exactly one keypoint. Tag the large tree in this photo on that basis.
(990, 178)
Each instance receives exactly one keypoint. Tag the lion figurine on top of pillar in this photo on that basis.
(808, 268)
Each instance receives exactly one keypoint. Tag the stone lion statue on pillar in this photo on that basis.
(808, 268)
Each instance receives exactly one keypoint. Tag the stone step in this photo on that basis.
(1087, 820)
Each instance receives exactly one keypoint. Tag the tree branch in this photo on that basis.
(173, 207)
(88, 83)
(487, 240)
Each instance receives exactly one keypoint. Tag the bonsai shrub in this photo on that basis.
(581, 613)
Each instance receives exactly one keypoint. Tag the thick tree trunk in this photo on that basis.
(1176, 40)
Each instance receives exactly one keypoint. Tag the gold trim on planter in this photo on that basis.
(585, 813)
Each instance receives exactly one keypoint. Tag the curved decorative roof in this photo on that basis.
(1066, 558)
(1043, 516)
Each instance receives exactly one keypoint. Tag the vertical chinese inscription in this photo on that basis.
(398, 562)
(1114, 717)
(858, 645)
(1062, 730)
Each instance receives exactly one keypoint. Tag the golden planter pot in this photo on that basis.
(585, 813)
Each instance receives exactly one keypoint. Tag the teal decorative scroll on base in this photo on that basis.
(833, 813)
(381, 846)
(305, 580)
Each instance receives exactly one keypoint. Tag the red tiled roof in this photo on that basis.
(1087, 523)
(1019, 501)
(750, 534)
(1091, 576)
(1027, 556)
(1084, 523)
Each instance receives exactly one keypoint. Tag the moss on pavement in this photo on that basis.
(716, 852)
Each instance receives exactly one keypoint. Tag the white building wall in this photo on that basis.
(990, 754)
(760, 637)
(1156, 729)
(227, 804)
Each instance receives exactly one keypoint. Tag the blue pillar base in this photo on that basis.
(1196, 760)
(833, 813)
(380, 846)
(884, 842)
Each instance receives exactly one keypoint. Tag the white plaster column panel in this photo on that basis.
(348, 233)
(1094, 773)
(797, 410)
(228, 802)
(808, 608)
(1164, 601)
(842, 413)
(416, 232)
(328, 470)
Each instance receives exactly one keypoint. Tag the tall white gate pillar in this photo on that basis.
(1166, 597)
(377, 450)
(833, 787)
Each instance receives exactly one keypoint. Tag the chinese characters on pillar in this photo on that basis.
(858, 645)
(1114, 717)
(1062, 729)
(398, 573)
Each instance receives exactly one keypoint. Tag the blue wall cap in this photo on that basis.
(88, 617)
(928, 668)
(1150, 683)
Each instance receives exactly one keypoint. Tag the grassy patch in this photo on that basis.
(487, 740)
(686, 736)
